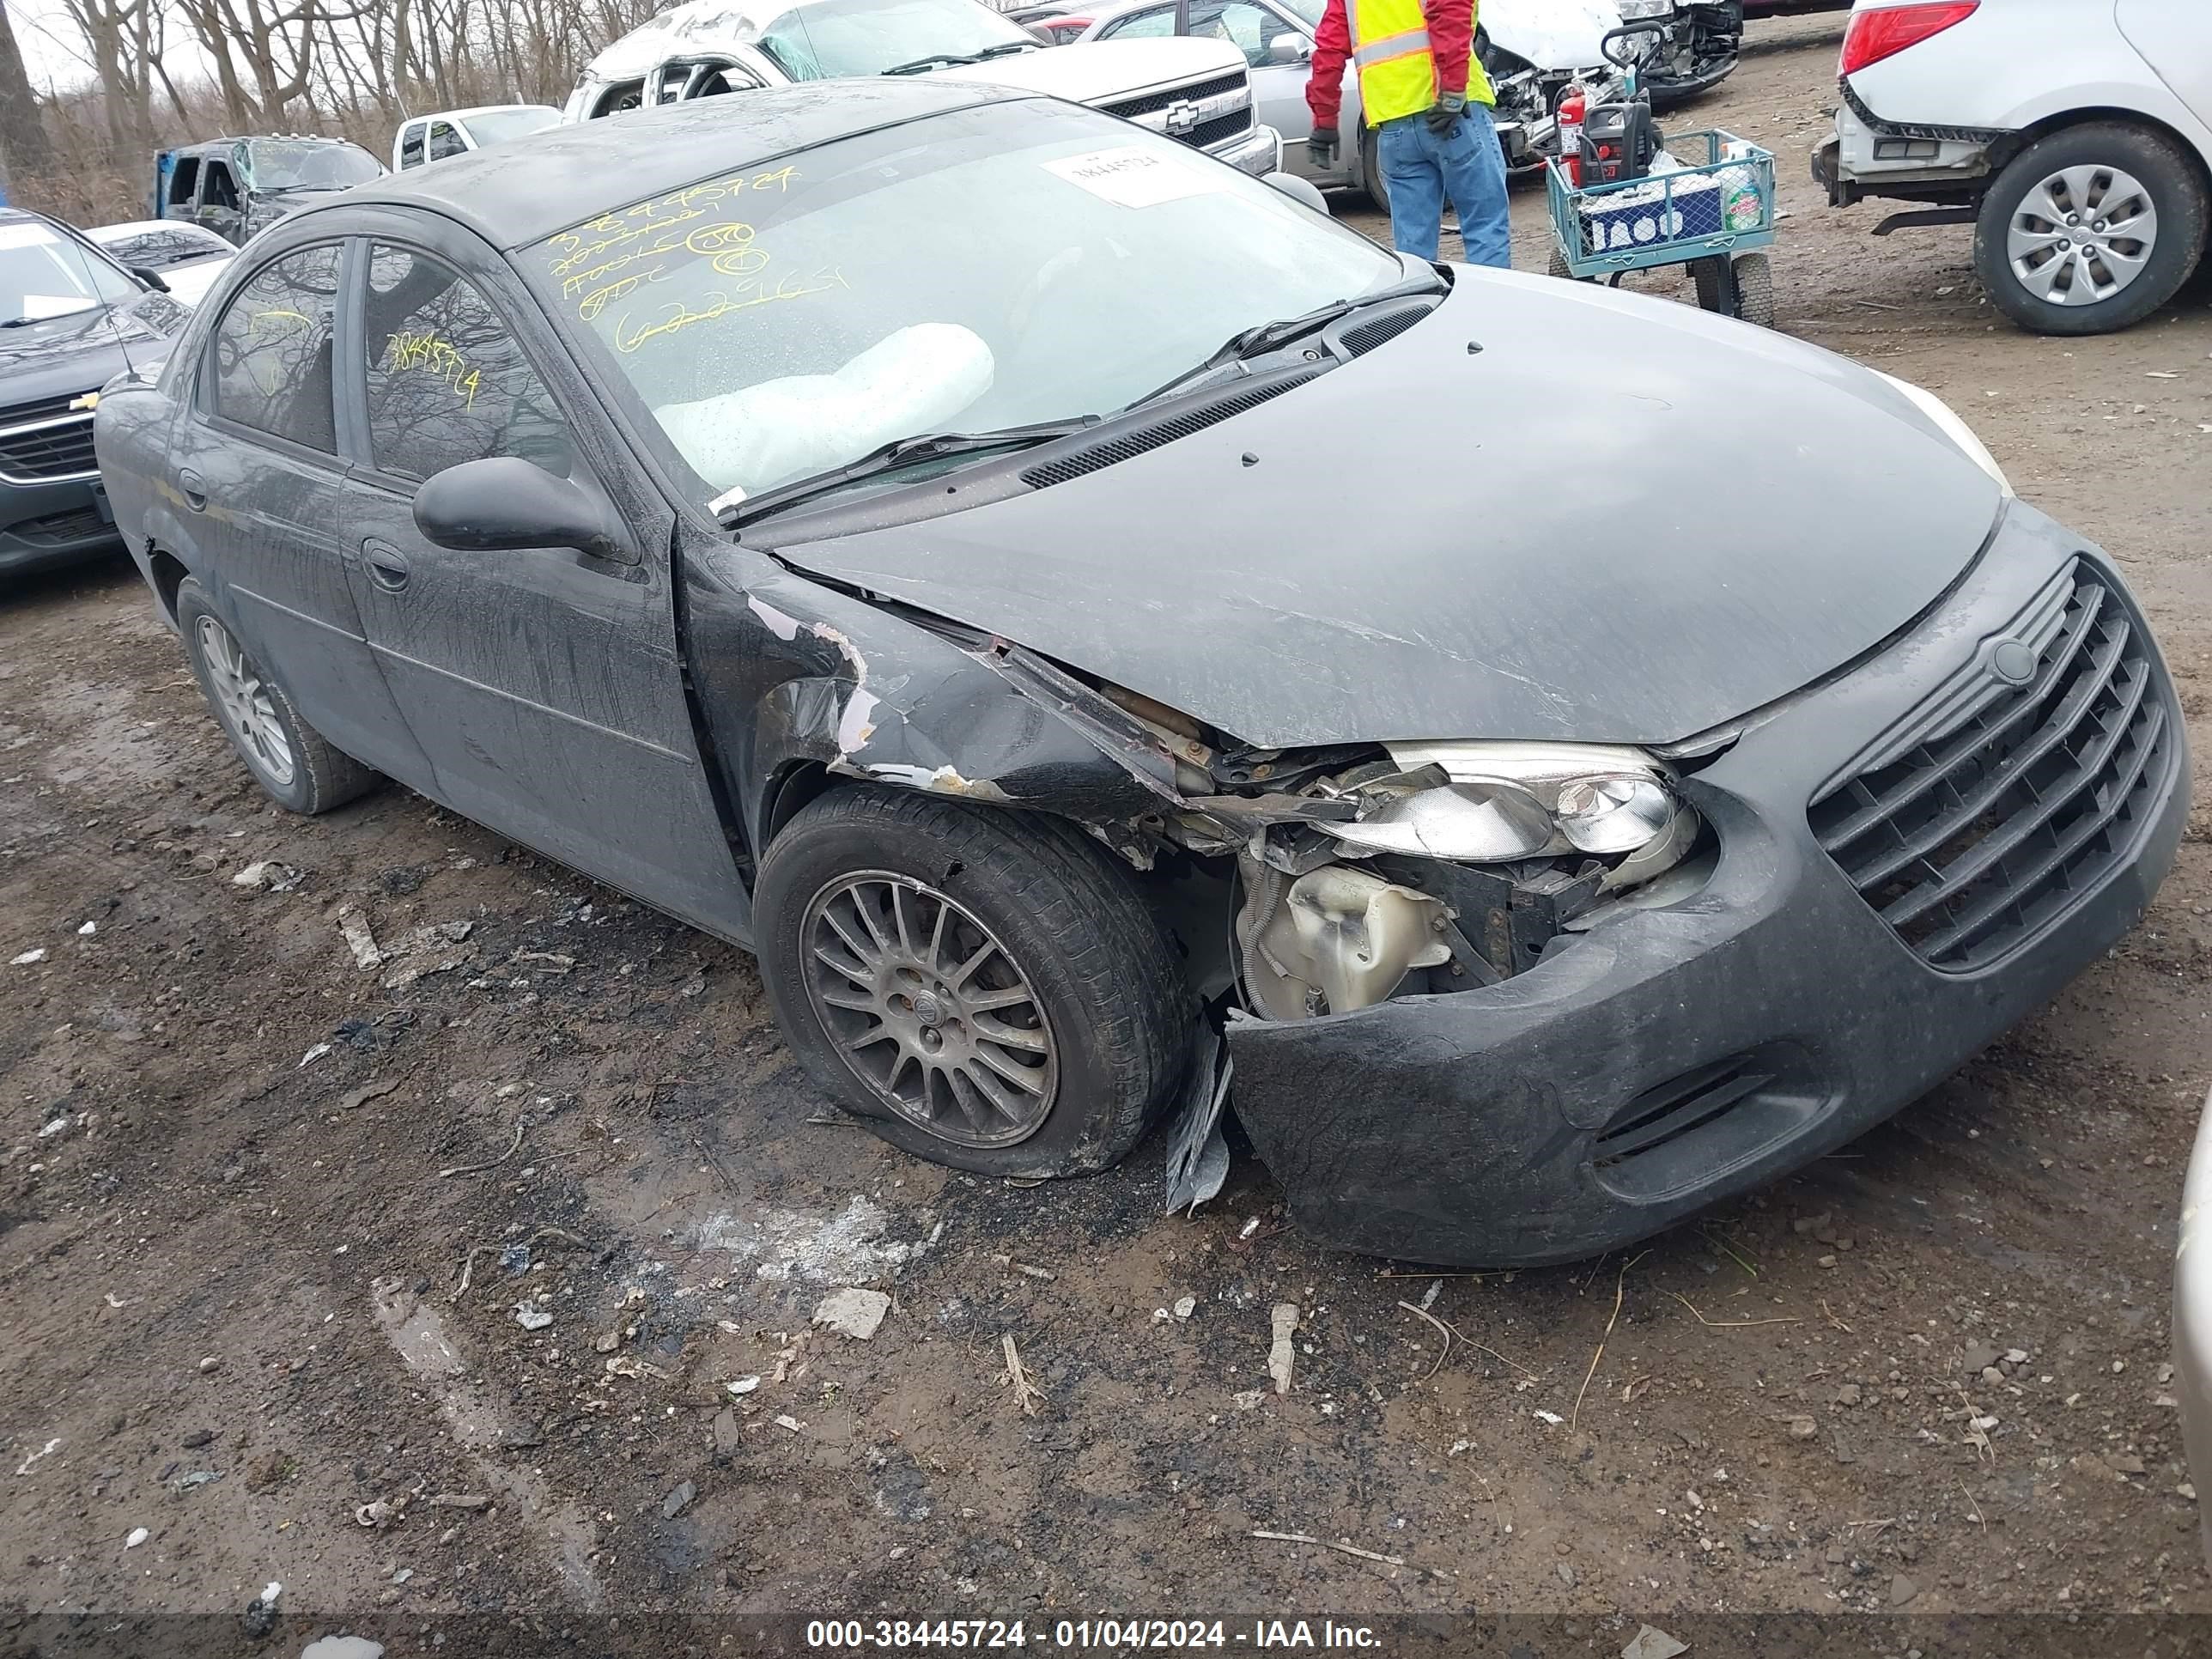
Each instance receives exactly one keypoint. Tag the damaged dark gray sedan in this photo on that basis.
(1095, 629)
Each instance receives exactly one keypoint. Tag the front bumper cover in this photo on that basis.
(53, 522)
(1258, 151)
(1466, 1128)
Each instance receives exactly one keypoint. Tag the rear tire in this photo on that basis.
(2046, 279)
(294, 763)
(866, 893)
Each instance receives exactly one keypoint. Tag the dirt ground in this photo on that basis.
(241, 1178)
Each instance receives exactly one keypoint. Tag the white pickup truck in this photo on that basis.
(1199, 91)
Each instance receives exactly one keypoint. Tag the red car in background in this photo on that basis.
(1053, 25)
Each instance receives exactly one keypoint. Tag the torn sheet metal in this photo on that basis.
(1198, 1152)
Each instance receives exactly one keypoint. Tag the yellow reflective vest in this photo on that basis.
(1397, 72)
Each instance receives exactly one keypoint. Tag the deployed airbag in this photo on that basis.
(915, 381)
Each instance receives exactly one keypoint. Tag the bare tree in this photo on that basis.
(24, 151)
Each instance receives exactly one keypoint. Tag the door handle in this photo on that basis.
(194, 488)
(387, 565)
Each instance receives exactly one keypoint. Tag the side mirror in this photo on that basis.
(502, 503)
(1289, 49)
(153, 279)
(1302, 190)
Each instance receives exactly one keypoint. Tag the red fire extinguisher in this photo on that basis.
(1572, 103)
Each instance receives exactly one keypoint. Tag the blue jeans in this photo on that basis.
(1421, 170)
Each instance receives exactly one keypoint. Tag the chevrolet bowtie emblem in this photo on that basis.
(90, 400)
(1181, 117)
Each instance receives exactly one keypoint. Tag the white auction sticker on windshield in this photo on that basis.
(26, 235)
(1131, 176)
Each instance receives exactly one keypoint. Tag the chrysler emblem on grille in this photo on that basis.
(1181, 117)
(2013, 661)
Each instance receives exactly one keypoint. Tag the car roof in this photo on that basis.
(473, 109)
(206, 144)
(513, 195)
(693, 24)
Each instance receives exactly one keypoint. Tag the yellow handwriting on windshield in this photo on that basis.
(729, 248)
(274, 319)
(596, 236)
(616, 240)
(679, 316)
(437, 357)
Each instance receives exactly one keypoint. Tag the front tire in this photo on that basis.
(2090, 229)
(293, 762)
(983, 986)
(1370, 170)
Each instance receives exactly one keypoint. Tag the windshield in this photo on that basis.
(46, 274)
(1308, 10)
(1022, 262)
(165, 245)
(496, 126)
(280, 165)
(867, 37)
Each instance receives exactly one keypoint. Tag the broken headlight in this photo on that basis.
(1486, 803)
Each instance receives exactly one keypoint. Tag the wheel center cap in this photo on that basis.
(929, 1010)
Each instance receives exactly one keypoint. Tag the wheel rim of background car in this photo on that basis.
(929, 1009)
(2081, 235)
(246, 707)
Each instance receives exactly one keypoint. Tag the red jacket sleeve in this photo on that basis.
(1325, 82)
(1451, 38)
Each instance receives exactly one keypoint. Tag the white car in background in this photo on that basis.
(187, 258)
(2075, 138)
(1197, 91)
(457, 131)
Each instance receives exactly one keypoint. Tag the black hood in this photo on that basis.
(85, 350)
(1620, 520)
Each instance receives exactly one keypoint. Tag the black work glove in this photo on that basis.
(1321, 147)
(1443, 116)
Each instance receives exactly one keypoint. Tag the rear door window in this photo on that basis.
(446, 380)
(272, 349)
(411, 147)
(183, 181)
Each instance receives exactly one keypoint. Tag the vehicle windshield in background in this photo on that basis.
(872, 37)
(1309, 11)
(497, 126)
(1010, 265)
(281, 167)
(45, 274)
(169, 245)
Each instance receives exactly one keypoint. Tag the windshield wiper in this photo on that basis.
(1263, 338)
(901, 452)
(935, 60)
(959, 59)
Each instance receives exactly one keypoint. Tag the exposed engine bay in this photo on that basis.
(1358, 873)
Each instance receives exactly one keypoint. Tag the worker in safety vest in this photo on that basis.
(1429, 102)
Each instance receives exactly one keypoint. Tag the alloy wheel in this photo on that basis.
(2081, 235)
(247, 709)
(929, 1009)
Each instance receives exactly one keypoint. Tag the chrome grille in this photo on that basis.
(55, 448)
(1972, 826)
